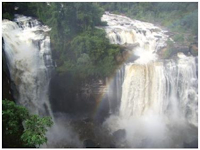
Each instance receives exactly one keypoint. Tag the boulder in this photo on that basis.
(89, 144)
(119, 135)
(193, 48)
(193, 144)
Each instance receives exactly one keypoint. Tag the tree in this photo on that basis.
(12, 117)
(20, 129)
(90, 55)
(35, 129)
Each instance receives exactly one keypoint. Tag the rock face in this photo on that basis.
(89, 144)
(119, 135)
(92, 134)
(193, 48)
(127, 54)
(68, 96)
(193, 144)
(169, 52)
(6, 83)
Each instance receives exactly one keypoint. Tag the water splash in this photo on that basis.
(28, 54)
(159, 99)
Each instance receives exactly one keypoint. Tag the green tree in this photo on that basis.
(20, 129)
(35, 130)
(90, 55)
(12, 117)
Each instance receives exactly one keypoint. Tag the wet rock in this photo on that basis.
(158, 36)
(87, 120)
(127, 55)
(90, 144)
(170, 34)
(169, 52)
(130, 46)
(193, 48)
(193, 144)
(144, 32)
(155, 30)
(119, 135)
(117, 30)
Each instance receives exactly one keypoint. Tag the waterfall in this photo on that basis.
(158, 104)
(166, 88)
(28, 54)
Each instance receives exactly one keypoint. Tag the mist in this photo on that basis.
(100, 75)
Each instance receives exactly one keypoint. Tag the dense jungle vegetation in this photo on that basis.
(174, 15)
(21, 129)
(179, 18)
(81, 51)
(73, 23)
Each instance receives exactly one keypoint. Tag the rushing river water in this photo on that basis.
(29, 59)
(158, 102)
(28, 54)
(155, 101)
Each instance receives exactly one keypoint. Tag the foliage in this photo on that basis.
(180, 18)
(175, 15)
(190, 21)
(67, 20)
(167, 53)
(35, 129)
(79, 49)
(90, 54)
(7, 10)
(170, 49)
(179, 38)
(12, 117)
(17, 134)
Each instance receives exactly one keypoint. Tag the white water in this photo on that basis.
(159, 100)
(124, 31)
(28, 54)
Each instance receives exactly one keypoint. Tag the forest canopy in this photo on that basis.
(84, 60)
(175, 15)
(20, 128)
(80, 49)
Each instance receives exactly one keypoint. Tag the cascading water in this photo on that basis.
(115, 91)
(159, 99)
(28, 54)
